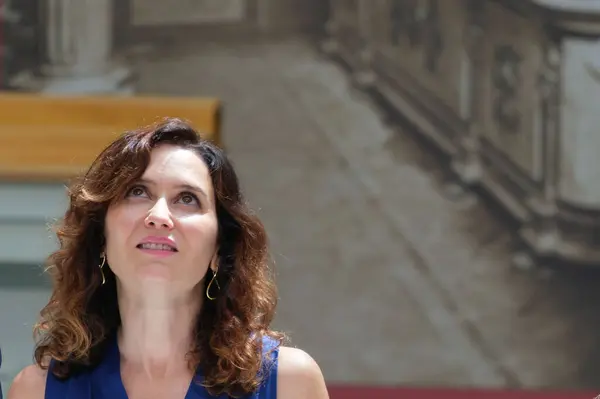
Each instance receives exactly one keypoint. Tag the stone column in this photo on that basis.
(78, 55)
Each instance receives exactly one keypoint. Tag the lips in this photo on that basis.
(158, 244)
(157, 247)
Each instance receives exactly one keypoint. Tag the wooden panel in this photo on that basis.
(55, 138)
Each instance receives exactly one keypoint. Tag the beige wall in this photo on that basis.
(269, 15)
(157, 13)
(292, 14)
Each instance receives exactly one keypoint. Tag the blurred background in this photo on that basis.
(428, 170)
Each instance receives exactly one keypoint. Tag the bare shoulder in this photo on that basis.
(299, 376)
(30, 383)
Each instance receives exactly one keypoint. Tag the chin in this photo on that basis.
(152, 273)
(155, 275)
(152, 286)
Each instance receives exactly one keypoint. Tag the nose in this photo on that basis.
(159, 216)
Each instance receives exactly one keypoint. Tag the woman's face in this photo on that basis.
(165, 229)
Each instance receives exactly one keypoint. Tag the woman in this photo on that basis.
(161, 284)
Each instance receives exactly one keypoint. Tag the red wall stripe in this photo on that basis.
(372, 392)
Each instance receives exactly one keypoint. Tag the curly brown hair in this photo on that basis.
(82, 314)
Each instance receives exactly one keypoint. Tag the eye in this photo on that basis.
(188, 199)
(136, 191)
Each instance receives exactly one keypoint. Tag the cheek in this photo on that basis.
(203, 236)
(118, 225)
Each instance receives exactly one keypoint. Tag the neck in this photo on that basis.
(156, 329)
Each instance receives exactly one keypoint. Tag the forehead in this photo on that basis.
(169, 163)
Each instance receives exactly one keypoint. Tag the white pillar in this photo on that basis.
(78, 57)
(580, 123)
(579, 164)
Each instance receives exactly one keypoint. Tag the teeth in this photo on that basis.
(162, 247)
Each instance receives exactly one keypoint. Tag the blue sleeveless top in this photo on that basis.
(104, 381)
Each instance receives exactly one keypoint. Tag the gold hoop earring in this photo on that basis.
(101, 266)
(214, 279)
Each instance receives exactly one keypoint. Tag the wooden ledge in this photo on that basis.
(56, 138)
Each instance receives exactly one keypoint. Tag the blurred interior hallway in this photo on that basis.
(369, 241)
(405, 282)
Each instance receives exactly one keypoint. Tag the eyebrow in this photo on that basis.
(181, 186)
